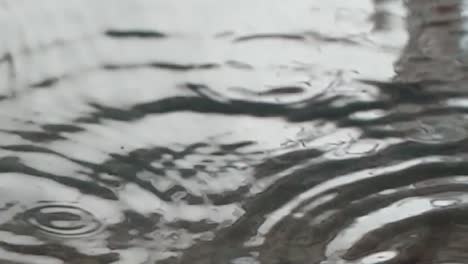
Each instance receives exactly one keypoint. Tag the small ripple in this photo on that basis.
(62, 220)
(438, 133)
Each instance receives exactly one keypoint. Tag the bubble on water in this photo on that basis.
(62, 220)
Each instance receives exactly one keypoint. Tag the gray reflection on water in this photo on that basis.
(232, 132)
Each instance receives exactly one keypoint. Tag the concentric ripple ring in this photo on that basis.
(63, 220)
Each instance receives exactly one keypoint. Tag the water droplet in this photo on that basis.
(62, 220)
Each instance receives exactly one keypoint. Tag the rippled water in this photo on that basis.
(237, 132)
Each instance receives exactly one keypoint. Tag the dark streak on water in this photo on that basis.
(113, 33)
(270, 36)
(163, 65)
(272, 91)
(45, 83)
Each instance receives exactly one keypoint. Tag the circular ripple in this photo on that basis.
(63, 220)
(438, 133)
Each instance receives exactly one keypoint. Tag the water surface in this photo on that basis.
(238, 132)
